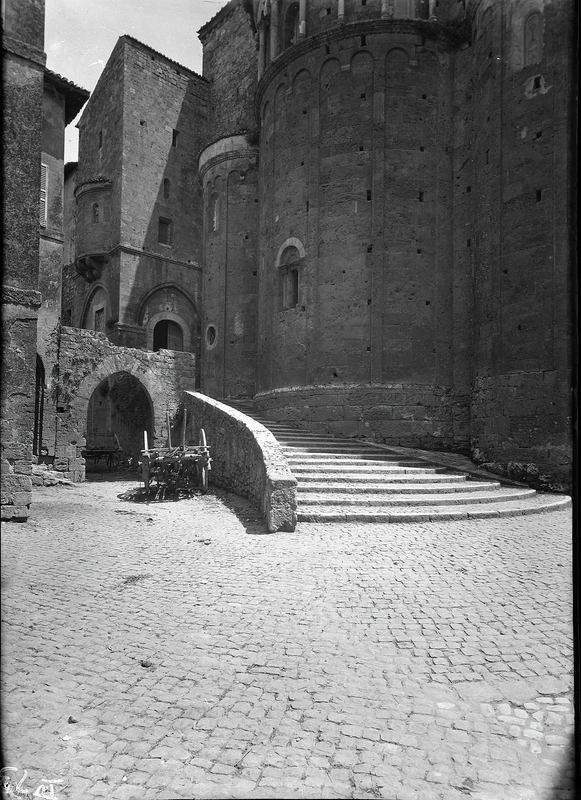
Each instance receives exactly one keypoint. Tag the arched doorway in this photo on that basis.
(168, 335)
(120, 405)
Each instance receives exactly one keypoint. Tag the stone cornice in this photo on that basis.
(23, 50)
(231, 155)
(450, 35)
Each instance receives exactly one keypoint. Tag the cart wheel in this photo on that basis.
(203, 465)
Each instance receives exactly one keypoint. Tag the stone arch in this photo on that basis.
(290, 25)
(120, 409)
(328, 65)
(362, 62)
(186, 314)
(97, 299)
(302, 75)
(397, 58)
(169, 316)
(292, 241)
(122, 361)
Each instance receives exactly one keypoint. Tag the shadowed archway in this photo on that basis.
(120, 406)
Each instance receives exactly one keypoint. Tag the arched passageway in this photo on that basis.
(120, 405)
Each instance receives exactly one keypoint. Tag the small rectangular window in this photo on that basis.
(164, 231)
(100, 139)
(43, 195)
(174, 138)
(100, 320)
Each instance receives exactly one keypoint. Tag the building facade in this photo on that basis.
(136, 268)
(23, 85)
(359, 217)
(411, 281)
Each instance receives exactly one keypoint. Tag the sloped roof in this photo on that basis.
(75, 96)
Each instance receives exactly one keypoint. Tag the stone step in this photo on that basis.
(461, 486)
(535, 505)
(327, 458)
(364, 478)
(349, 480)
(386, 501)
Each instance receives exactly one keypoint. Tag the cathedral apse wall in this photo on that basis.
(355, 262)
(512, 200)
(228, 175)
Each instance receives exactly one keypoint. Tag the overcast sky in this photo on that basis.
(80, 35)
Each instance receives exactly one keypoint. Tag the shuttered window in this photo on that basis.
(43, 193)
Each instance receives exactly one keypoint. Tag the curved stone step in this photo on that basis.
(350, 480)
(363, 476)
(323, 458)
(535, 505)
(387, 502)
(452, 483)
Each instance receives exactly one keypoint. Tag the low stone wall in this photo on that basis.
(246, 458)
(407, 415)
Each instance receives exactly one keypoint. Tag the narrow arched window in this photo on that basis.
(166, 188)
(95, 213)
(291, 26)
(289, 278)
(533, 39)
(214, 215)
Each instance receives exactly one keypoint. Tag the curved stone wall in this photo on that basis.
(355, 164)
(229, 177)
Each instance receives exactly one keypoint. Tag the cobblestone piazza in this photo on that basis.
(175, 650)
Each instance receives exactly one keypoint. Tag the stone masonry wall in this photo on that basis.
(86, 359)
(407, 415)
(512, 191)
(229, 64)
(23, 81)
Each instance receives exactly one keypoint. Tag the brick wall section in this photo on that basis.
(86, 359)
(355, 163)
(246, 458)
(23, 81)
(230, 178)
(511, 185)
(229, 64)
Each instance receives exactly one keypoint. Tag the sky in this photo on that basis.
(80, 35)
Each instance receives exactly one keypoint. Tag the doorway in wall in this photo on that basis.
(168, 335)
(120, 407)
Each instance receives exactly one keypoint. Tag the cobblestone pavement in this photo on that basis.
(172, 650)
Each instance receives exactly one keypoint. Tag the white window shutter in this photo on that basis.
(43, 194)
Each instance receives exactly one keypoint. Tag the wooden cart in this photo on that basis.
(174, 468)
(103, 446)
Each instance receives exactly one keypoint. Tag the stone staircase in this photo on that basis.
(350, 480)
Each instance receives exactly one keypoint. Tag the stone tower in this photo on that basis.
(408, 274)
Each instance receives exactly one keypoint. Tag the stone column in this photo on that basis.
(432, 10)
(274, 23)
(341, 11)
(261, 49)
(302, 19)
(385, 9)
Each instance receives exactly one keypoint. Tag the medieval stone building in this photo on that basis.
(359, 217)
(387, 240)
(368, 229)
